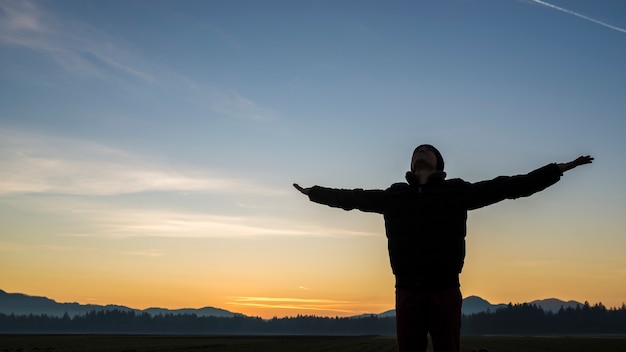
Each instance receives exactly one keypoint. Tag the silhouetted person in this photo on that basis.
(425, 223)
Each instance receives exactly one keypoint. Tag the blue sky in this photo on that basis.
(164, 133)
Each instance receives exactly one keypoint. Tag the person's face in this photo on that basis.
(424, 157)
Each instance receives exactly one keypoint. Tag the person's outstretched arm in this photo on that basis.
(581, 160)
(347, 199)
(484, 193)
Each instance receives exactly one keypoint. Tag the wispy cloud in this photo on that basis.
(74, 178)
(574, 13)
(157, 223)
(114, 221)
(20, 16)
(300, 304)
(85, 51)
(36, 163)
(77, 47)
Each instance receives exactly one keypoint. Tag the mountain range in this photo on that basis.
(475, 304)
(22, 304)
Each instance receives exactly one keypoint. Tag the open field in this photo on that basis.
(544, 344)
(180, 343)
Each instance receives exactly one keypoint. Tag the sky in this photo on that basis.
(148, 148)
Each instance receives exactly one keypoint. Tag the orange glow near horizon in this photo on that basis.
(277, 277)
(277, 300)
(287, 276)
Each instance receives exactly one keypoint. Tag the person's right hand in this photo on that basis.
(302, 190)
(581, 160)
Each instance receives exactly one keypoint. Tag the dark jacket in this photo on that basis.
(425, 224)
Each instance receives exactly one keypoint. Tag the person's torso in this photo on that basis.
(426, 227)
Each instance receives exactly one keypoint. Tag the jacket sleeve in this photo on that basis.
(349, 199)
(484, 193)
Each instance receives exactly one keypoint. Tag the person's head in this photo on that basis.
(426, 158)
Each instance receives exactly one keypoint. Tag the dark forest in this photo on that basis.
(513, 319)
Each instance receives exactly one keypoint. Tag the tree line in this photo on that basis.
(118, 321)
(513, 319)
(532, 319)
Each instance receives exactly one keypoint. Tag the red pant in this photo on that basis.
(419, 312)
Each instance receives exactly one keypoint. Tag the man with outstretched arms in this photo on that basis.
(425, 224)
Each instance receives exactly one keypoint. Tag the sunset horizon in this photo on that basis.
(283, 307)
(149, 148)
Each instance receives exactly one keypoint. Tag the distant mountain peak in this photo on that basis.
(22, 304)
(555, 304)
(475, 304)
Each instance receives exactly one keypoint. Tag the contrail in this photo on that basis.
(579, 15)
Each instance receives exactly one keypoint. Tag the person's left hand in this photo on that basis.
(302, 190)
(581, 160)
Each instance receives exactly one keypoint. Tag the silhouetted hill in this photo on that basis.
(389, 313)
(471, 305)
(21, 304)
(554, 304)
(475, 304)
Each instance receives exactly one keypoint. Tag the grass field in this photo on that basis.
(154, 343)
